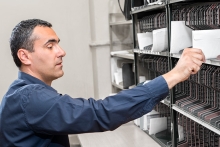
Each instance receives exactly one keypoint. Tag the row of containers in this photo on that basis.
(194, 26)
(199, 96)
(158, 125)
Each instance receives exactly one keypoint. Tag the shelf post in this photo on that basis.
(134, 20)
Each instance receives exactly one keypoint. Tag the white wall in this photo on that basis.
(71, 22)
(82, 26)
(99, 22)
(101, 53)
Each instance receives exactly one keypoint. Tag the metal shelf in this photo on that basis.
(215, 62)
(159, 141)
(121, 43)
(149, 8)
(120, 23)
(196, 119)
(150, 53)
(118, 86)
(196, 1)
(166, 102)
(178, 1)
(175, 55)
(136, 50)
(127, 54)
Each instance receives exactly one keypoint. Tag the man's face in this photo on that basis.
(46, 60)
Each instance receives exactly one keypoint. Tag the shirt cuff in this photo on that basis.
(158, 87)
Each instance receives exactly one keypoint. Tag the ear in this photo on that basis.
(24, 56)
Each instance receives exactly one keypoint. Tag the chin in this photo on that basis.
(59, 75)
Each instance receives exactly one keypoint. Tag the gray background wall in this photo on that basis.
(83, 29)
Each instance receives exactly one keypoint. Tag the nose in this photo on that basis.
(62, 53)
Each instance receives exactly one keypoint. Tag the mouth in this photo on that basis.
(59, 64)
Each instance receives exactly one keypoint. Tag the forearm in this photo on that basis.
(172, 78)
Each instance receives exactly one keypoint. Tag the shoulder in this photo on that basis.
(35, 95)
(19, 89)
(37, 99)
(38, 92)
(30, 88)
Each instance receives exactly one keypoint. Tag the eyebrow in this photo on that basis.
(52, 40)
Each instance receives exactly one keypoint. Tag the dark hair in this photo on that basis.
(21, 37)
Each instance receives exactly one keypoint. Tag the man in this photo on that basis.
(32, 113)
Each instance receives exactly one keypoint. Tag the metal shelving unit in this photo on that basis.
(173, 6)
(117, 21)
(139, 14)
(168, 7)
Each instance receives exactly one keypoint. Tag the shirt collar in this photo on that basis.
(32, 80)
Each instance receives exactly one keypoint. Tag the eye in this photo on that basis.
(50, 46)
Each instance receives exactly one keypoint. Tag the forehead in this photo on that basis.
(42, 32)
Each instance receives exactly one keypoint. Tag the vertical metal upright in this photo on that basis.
(134, 20)
(110, 45)
(172, 91)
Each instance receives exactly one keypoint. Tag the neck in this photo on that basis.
(38, 76)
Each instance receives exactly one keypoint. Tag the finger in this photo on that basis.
(203, 57)
(202, 54)
(197, 61)
(195, 69)
(198, 56)
(195, 50)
